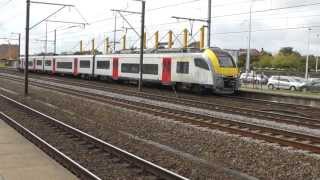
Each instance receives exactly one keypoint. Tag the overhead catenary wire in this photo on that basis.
(170, 23)
(271, 29)
(243, 13)
(148, 10)
(80, 14)
(5, 4)
(267, 10)
(220, 16)
(235, 14)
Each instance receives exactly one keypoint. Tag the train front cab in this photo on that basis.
(224, 70)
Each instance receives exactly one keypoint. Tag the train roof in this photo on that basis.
(152, 51)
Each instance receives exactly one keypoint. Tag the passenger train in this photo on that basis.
(209, 69)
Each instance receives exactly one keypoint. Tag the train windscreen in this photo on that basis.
(225, 60)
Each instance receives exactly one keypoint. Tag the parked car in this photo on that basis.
(253, 78)
(300, 79)
(313, 86)
(314, 80)
(285, 82)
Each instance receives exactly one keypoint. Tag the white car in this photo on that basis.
(251, 78)
(285, 82)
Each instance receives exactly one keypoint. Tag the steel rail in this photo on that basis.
(59, 156)
(255, 131)
(251, 99)
(292, 139)
(138, 161)
(272, 116)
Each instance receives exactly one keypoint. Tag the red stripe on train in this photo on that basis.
(115, 67)
(75, 67)
(166, 70)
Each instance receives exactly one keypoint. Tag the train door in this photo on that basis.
(115, 68)
(53, 65)
(166, 71)
(75, 66)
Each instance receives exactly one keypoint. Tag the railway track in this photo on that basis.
(278, 136)
(86, 156)
(267, 114)
(221, 99)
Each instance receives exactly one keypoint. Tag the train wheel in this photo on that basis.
(197, 89)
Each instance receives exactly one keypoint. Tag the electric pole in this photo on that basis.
(307, 60)
(19, 45)
(55, 42)
(115, 32)
(46, 41)
(27, 49)
(142, 43)
(209, 24)
(249, 37)
(317, 63)
(27, 33)
(141, 35)
(249, 42)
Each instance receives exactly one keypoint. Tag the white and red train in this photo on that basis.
(212, 69)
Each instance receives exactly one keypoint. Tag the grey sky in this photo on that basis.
(271, 29)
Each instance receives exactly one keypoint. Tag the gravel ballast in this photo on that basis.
(194, 152)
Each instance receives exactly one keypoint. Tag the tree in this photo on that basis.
(242, 60)
(292, 62)
(265, 61)
(288, 51)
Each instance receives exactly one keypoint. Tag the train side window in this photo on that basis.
(103, 64)
(129, 68)
(84, 64)
(47, 63)
(30, 63)
(183, 67)
(64, 65)
(201, 63)
(39, 63)
(150, 69)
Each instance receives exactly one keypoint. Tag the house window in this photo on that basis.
(84, 64)
(183, 67)
(103, 64)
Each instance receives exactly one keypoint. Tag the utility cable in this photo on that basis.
(267, 10)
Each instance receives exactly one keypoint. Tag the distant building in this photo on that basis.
(8, 54)
(253, 52)
(236, 53)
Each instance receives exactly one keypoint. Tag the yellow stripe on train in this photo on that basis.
(225, 71)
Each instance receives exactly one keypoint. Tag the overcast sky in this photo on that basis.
(272, 29)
